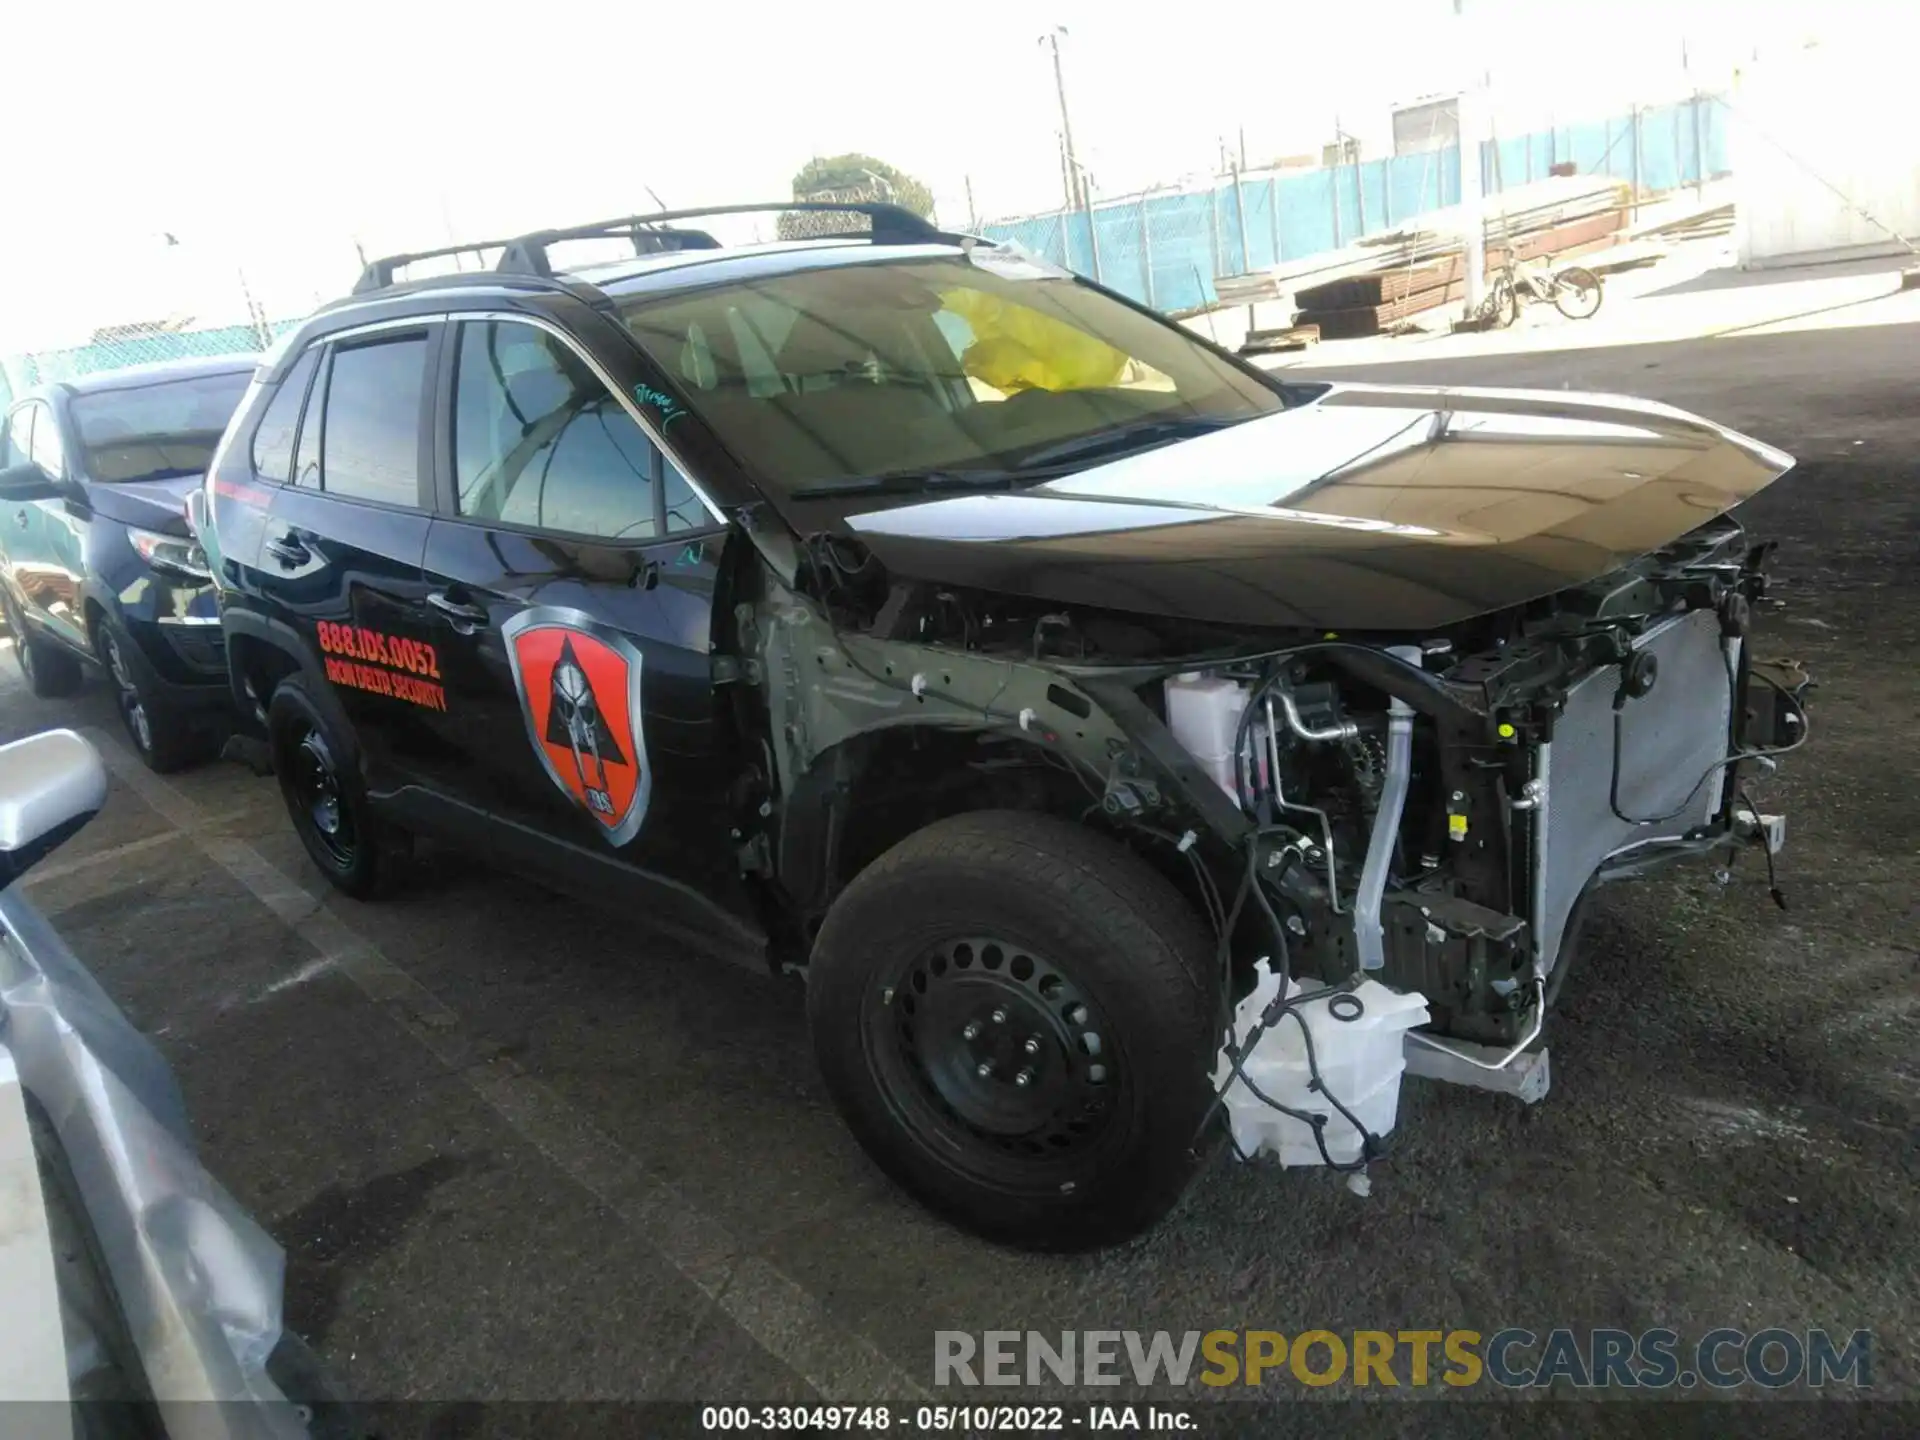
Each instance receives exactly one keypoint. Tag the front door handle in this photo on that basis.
(289, 549)
(466, 617)
(20, 518)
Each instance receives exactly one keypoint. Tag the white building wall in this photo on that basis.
(1819, 135)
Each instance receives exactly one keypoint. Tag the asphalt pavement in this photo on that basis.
(519, 1149)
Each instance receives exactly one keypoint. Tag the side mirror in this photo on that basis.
(27, 482)
(50, 785)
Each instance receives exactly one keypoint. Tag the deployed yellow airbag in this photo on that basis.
(1017, 348)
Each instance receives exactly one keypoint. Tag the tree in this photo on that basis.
(851, 177)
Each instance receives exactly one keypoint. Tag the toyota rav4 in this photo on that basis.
(1016, 665)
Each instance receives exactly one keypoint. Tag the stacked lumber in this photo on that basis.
(1560, 218)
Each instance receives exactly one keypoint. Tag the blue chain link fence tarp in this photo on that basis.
(1165, 249)
(19, 373)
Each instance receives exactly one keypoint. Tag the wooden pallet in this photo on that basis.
(1278, 341)
(1357, 321)
(1390, 284)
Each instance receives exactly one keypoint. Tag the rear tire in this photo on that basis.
(1577, 293)
(50, 669)
(317, 765)
(1000, 944)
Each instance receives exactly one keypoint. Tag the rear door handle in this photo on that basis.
(466, 617)
(289, 549)
(20, 518)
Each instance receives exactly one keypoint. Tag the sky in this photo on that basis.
(268, 139)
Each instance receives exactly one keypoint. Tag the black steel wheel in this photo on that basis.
(976, 1034)
(319, 779)
(1013, 1013)
(313, 783)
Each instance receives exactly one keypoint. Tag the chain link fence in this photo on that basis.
(1166, 247)
(121, 346)
(816, 224)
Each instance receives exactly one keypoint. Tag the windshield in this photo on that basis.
(943, 365)
(158, 431)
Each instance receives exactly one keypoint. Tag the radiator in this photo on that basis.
(1669, 739)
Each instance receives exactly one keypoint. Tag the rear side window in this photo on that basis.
(274, 436)
(370, 431)
(46, 443)
(540, 442)
(306, 459)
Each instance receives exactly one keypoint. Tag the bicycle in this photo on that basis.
(1574, 291)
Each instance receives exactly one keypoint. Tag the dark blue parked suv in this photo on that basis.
(96, 560)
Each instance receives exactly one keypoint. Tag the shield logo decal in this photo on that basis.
(579, 684)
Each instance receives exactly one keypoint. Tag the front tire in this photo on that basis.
(163, 741)
(1014, 1016)
(1502, 306)
(317, 766)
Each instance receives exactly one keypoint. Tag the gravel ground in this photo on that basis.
(520, 1151)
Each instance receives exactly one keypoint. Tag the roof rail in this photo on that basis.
(527, 254)
(378, 274)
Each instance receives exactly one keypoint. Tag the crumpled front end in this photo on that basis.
(1430, 814)
(1444, 802)
(1418, 812)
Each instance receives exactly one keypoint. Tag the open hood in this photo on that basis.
(1374, 508)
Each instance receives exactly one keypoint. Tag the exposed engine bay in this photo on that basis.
(1441, 806)
(1424, 812)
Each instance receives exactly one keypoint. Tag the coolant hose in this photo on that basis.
(1368, 936)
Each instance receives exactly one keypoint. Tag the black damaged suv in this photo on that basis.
(1016, 664)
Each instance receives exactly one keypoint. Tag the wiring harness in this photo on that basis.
(1283, 1007)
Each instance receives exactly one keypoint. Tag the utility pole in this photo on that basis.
(256, 313)
(1076, 187)
(1473, 258)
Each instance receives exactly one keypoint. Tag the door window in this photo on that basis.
(370, 429)
(273, 438)
(16, 448)
(685, 510)
(45, 445)
(540, 442)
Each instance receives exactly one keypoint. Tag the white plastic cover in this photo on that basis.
(1359, 1041)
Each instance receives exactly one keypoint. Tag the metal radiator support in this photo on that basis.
(1367, 935)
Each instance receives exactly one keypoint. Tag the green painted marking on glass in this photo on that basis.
(670, 409)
